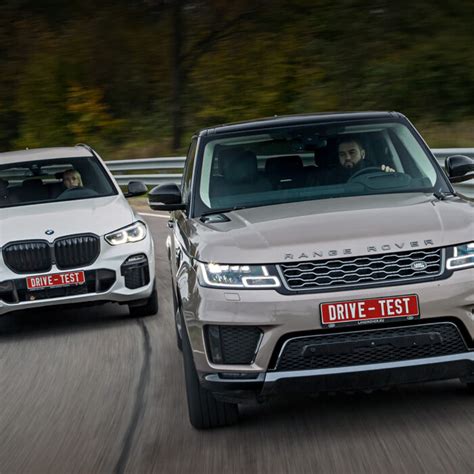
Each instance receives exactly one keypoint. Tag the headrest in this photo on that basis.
(223, 154)
(240, 167)
(283, 165)
(327, 157)
(32, 183)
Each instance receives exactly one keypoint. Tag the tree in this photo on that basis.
(212, 22)
(41, 98)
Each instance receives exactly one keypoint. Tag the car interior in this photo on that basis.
(42, 181)
(304, 163)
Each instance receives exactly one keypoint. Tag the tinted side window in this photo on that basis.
(188, 172)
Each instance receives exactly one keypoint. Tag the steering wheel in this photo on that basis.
(78, 191)
(71, 190)
(369, 169)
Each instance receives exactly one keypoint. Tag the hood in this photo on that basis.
(98, 216)
(332, 228)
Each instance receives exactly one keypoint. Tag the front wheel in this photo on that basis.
(150, 307)
(177, 321)
(178, 328)
(204, 410)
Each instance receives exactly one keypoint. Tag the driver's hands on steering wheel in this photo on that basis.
(73, 189)
(371, 169)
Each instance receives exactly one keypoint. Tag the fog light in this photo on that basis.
(140, 258)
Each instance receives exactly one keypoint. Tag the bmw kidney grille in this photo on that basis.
(38, 256)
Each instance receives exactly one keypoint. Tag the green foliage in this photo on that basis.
(41, 99)
(89, 116)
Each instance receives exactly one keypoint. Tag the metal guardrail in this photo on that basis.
(164, 166)
(442, 153)
(147, 164)
(169, 169)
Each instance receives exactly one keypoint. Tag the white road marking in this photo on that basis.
(154, 215)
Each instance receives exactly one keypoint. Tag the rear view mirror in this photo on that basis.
(136, 188)
(165, 197)
(458, 166)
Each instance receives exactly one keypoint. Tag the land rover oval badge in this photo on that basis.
(420, 265)
(49, 232)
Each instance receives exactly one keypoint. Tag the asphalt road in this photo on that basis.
(93, 390)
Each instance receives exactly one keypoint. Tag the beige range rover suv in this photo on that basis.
(316, 253)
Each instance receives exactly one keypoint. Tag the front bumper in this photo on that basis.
(353, 378)
(108, 279)
(281, 317)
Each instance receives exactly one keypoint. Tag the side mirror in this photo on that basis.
(165, 197)
(136, 188)
(457, 166)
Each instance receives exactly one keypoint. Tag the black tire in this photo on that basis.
(204, 410)
(470, 387)
(177, 319)
(150, 308)
(179, 340)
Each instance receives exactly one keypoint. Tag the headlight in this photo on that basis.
(131, 233)
(463, 257)
(237, 276)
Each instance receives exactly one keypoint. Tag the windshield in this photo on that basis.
(37, 182)
(313, 162)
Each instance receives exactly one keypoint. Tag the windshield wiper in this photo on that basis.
(222, 211)
(442, 195)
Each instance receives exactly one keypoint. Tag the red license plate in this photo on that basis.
(55, 279)
(360, 311)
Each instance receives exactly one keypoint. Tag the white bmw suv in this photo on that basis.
(69, 236)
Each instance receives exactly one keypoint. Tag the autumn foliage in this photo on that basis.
(136, 77)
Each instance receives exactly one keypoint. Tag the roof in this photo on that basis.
(21, 156)
(300, 119)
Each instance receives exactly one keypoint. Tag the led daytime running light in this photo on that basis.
(130, 234)
(237, 276)
(463, 257)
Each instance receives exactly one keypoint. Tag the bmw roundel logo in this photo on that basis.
(49, 232)
(420, 265)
